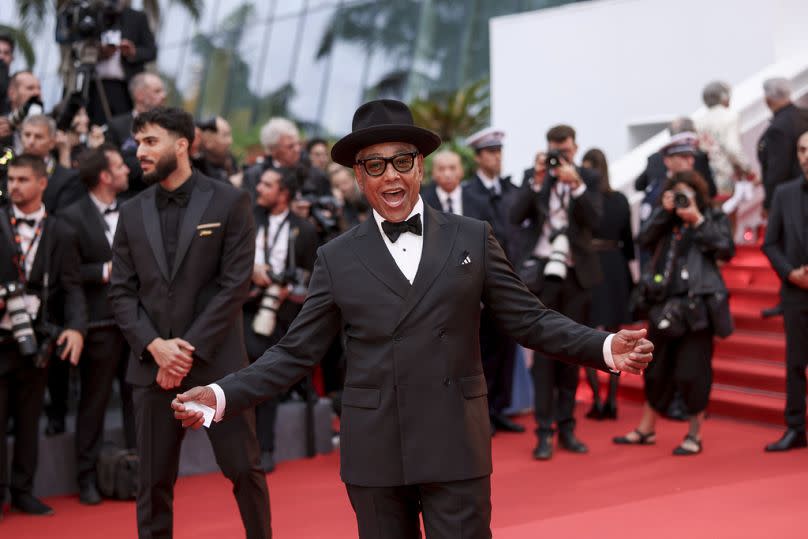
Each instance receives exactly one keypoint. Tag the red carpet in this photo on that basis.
(733, 490)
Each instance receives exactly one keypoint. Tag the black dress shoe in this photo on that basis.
(792, 439)
(267, 462)
(568, 441)
(596, 412)
(771, 312)
(55, 426)
(544, 449)
(88, 495)
(503, 423)
(609, 411)
(26, 503)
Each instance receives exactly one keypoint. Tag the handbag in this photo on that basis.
(669, 318)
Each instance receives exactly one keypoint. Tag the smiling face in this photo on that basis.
(393, 194)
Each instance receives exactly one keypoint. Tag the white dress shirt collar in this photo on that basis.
(488, 182)
(102, 206)
(37, 215)
(419, 208)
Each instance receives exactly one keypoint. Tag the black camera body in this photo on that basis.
(681, 200)
(554, 159)
(325, 210)
(81, 20)
(31, 107)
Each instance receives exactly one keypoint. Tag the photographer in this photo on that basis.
(285, 248)
(37, 256)
(24, 99)
(564, 205)
(687, 304)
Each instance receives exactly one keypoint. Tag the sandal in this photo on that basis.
(682, 451)
(647, 438)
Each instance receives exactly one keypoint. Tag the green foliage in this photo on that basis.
(455, 114)
(21, 40)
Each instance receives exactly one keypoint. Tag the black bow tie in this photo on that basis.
(111, 209)
(394, 230)
(180, 198)
(26, 221)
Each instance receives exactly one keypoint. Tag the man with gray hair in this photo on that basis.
(281, 141)
(720, 136)
(777, 148)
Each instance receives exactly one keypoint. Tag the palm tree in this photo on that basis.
(454, 114)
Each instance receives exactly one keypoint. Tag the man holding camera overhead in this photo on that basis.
(42, 308)
(564, 206)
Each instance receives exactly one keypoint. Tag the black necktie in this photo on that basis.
(394, 230)
(25, 221)
(449, 208)
(180, 198)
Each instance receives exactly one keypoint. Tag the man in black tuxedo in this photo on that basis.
(39, 138)
(786, 245)
(446, 193)
(94, 218)
(777, 147)
(406, 286)
(126, 48)
(563, 207)
(181, 264)
(147, 91)
(285, 248)
(492, 195)
(33, 245)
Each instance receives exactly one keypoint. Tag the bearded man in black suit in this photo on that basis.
(406, 287)
(181, 266)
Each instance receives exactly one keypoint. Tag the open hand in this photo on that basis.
(631, 351)
(200, 394)
(73, 342)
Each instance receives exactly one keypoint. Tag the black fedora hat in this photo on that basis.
(382, 120)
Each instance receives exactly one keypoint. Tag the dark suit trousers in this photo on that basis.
(21, 394)
(117, 95)
(555, 382)
(497, 351)
(451, 510)
(796, 320)
(98, 366)
(266, 413)
(159, 437)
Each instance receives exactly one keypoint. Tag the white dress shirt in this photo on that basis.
(557, 218)
(27, 235)
(277, 240)
(490, 183)
(455, 196)
(406, 252)
(110, 218)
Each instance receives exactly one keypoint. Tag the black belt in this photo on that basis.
(604, 245)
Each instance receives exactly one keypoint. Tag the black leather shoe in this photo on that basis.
(771, 312)
(568, 441)
(503, 423)
(609, 411)
(88, 495)
(55, 426)
(267, 462)
(25, 503)
(544, 449)
(596, 412)
(792, 439)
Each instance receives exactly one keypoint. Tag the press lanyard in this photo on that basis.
(19, 259)
(269, 248)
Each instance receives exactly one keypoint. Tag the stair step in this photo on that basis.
(746, 275)
(747, 319)
(752, 345)
(759, 375)
(750, 300)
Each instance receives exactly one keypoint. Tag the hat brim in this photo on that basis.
(345, 149)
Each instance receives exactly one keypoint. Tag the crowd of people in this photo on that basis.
(81, 224)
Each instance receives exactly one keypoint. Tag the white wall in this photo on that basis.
(602, 66)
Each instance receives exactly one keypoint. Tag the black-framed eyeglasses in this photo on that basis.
(375, 166)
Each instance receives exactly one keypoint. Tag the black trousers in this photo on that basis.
(555, 382)
(497, 351)
(266, 413)
(451, 510)
(683, 365)
(796, 321)
(98, 367)
(58, 389)
(22, 390)
(159, 437)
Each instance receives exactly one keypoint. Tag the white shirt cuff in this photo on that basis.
(607, 355)
(105, 271)
(221, 402)
(578, 191)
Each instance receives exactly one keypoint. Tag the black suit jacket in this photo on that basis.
(786, 243)
(135, 28)
(119, 133)
(200, 300)
(472, 206)
(414, 407)
(656, 171)
(94, 249)
(583, 214)
(777, 148)
(302, 256)
(485, 209)
(66, 306)
(64, 188)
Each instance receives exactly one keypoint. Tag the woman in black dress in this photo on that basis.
(613, 241)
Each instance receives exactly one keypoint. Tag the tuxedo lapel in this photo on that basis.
(38, 267)
(154, 233)
(200, 198)
(97, 227)
(374, 255)
(799, 222)
(5, 224)
(439, 236)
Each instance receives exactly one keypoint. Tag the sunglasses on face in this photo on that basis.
(375, 166)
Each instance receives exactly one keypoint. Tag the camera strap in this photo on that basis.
(21, 256)
(268, 248)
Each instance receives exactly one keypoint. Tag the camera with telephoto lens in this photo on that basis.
(554, 159)
(81, 20)
(22, 326)
(266, 318)
(325, 210)
(31, 107)
(681, 200)
(556, 266)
